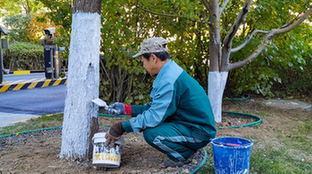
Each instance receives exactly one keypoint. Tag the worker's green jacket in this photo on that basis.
(175, 97)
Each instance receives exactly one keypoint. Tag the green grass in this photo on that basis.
(262, 114)
(307, 127)
(299, 137)
(267, 161)
(279, 161)
(283, 155)
(45, 121)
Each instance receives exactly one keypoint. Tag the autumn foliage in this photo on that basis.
(36, 28)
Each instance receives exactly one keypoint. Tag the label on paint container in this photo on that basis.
(105, 156)
(106, 153)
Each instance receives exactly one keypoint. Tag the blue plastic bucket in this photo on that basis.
(231, 155)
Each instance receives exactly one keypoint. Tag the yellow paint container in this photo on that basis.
(105, 156)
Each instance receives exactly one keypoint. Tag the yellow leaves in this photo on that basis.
(133, 139)
(298, 6)
(36, 28)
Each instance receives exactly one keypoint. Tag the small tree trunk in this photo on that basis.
(216, 84)
(80, 113)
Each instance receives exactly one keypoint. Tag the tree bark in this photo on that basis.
(93, 6)
(81, 114)
(215, 38)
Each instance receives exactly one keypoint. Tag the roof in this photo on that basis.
(3, 31)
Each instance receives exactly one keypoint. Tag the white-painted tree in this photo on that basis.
(80, 114)
(220, 50)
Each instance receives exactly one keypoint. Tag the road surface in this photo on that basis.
(29, 103)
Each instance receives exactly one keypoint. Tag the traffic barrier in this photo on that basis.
(31, 85)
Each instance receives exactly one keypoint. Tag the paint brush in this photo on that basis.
(102, 103)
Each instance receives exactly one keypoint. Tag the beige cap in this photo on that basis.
(152, 45)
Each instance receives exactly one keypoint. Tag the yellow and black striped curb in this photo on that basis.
(31, 85)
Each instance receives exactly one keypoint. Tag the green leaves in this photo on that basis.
(121, 72)
(19, 25)
(23, 56)
(124, 27)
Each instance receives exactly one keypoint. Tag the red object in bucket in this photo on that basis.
(227, 144)
(235, 145)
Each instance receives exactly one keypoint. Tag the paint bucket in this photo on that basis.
(231, 155)
(105, 156)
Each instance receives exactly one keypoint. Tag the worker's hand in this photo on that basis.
(114, 134)
(117, 109)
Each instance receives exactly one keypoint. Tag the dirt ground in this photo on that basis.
(38, 152)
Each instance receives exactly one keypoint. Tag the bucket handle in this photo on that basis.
(232, 144)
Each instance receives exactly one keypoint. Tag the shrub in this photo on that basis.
(24, 56)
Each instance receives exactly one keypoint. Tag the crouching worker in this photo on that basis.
(179, 120)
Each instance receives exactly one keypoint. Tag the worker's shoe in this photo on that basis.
(169, 163)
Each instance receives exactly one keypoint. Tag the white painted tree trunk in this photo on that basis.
(216, 85)
(82, 85)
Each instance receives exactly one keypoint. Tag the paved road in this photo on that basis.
(29, 103)
(13, 79)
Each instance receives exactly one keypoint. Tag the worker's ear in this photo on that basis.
(154, 58)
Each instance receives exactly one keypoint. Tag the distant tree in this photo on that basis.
(60, 13)
(14, 7)
(27, 27)
(19, 27)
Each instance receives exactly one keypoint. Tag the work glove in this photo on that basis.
(117, 109)
(114, 134)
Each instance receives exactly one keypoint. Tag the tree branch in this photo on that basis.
(268, 38)
(227, 42)
(105, 71)
(206, 4)
(159, 14)
(286, 25)
(295, 24)
(223, 6)
(69, 5)
(247, 40)
(249, 59)
(168, 15)
(239, 20)
(182, 38)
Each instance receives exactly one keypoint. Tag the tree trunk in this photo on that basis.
(80, 113)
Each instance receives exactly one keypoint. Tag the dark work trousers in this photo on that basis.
(175, 140)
